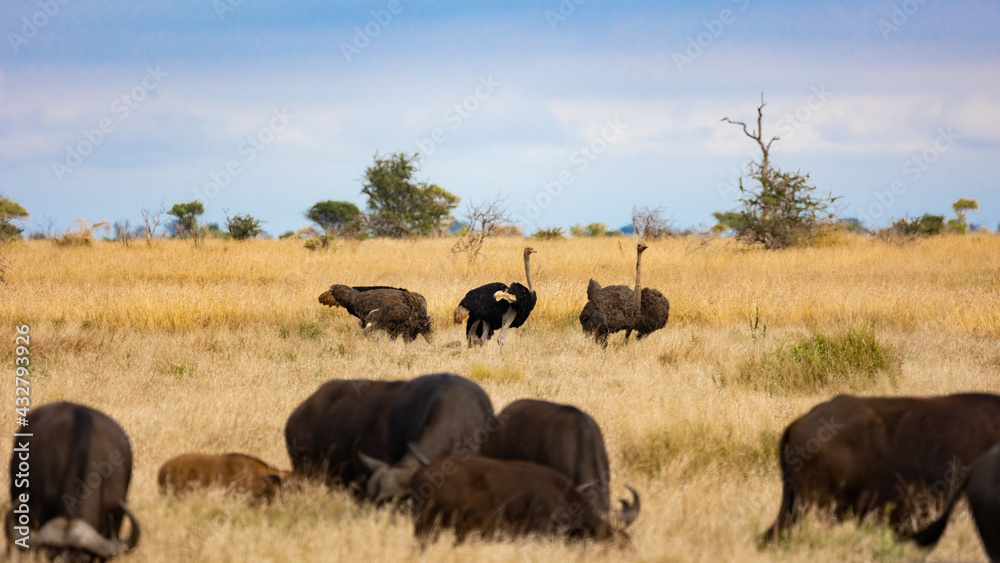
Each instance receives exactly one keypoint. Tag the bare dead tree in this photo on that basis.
(649, 223)
(484, 219)
(782, 210)
(152, 218)
(124, 234)
(757, 136)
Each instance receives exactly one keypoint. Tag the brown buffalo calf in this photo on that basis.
(503, 497)
(242, 473)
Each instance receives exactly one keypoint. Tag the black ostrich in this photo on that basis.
(377, 307)
(496, 306)
(616, 307)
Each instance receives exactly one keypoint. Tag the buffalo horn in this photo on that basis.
(416, 453)
(630, 511)
(371, 463)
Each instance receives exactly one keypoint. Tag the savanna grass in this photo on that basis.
(209, 349)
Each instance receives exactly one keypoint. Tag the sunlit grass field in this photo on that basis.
(210, 348)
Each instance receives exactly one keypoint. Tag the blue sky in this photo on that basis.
(576, 111)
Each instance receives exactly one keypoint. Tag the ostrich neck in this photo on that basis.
(527, 271)
(637, 294)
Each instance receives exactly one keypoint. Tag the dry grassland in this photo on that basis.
(209, 349)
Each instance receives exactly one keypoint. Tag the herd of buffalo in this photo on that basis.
(536, 467)
(434, 445)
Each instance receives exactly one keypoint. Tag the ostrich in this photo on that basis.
(497, 305)
(396, 311)
(616, 307)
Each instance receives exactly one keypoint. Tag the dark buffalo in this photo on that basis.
(561, 437)
(982, 489)
(861, 455)
(68, 483)
(361, 434)
(243, 473)
(497, 497)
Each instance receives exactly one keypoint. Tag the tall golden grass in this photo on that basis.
(210, 348)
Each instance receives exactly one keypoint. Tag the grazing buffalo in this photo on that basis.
(558, 436)
(245, 474)
(882, 455)
(68, 482)
(982, 489)
(362, 434)
(512, 498)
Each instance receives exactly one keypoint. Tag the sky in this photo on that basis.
(575, 111)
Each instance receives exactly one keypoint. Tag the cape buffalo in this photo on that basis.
(503, 497)
(69, 477)
(361, 434)
(861, 455)
(982, 489)
(243, 473)
(561, 437)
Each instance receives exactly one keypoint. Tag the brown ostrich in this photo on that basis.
(616, 307)
(396, 311)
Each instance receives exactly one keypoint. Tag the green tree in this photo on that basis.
(243, 227)
(960, 224)
(336, 217)
(781, 209)
(186, 218)
(398, 206)
(11, 211)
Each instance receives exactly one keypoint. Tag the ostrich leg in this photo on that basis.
(476, 333)
(508, 318)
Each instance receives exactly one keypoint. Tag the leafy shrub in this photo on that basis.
(552, 233)
(852, 360)
(591, 230)
(924, 226)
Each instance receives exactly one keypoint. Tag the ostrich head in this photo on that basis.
(641, 247)
(528, 251)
